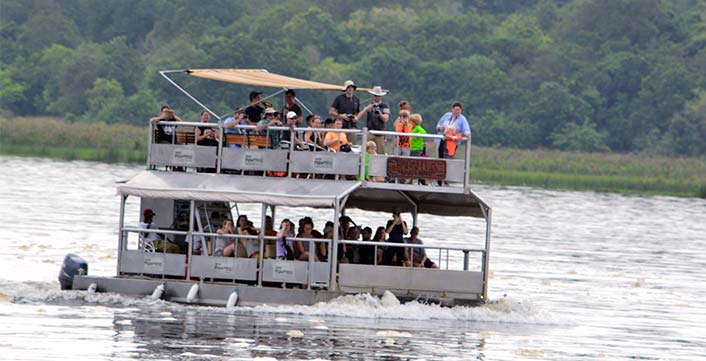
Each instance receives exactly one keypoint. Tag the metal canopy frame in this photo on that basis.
(164, 73)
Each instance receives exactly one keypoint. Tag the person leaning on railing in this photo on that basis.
(460, 123)
(165, 133)
(229, 124)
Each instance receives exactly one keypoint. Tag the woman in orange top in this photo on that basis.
(334, 140)
(403, 125)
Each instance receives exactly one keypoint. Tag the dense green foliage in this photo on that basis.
(589, 75)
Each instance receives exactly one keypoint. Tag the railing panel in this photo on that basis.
(355, 277)
(183, 155)
(455, 171)
(224, 267)
(255, 159)
(325, 163)
(132, 261)
(377, 165)
(285, 271)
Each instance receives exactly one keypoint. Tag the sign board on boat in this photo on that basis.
(404, 167)
(183, 156)
(154, 263)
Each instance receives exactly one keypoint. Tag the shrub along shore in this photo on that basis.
(606, 172)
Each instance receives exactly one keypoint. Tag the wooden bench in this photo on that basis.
(185, 137)
(249, 140)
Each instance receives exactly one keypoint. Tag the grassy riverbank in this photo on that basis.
(625, 173)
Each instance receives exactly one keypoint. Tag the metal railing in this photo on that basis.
(409, 247)
(189, 238)
(201, 157)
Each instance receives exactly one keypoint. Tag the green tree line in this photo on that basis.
(588, 75)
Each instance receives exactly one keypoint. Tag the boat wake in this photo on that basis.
(365, 306)
(505, 310)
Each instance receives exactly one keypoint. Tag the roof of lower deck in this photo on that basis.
(293, 192)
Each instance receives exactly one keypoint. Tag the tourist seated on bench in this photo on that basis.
(152, 242)
(419, 255)
(366, 252)
(337, 141)
(271, 120)
(225, 246)
(301, 248)
(252, 246)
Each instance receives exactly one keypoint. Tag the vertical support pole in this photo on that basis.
(121, 233)
(486, 254)
(334, 249)
(150, 134)
(261, 241)
(312, 256)
(219, 156)
(292, 135)
(190, 239)
(465, 260)
(363, 154)
(467, 165)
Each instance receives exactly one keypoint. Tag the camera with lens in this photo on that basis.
(350, 117)
(376, 109)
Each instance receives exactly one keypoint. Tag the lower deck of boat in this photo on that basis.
(218, 293)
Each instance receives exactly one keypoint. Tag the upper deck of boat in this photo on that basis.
(254, 167)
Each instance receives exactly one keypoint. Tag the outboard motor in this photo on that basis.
(73, 265)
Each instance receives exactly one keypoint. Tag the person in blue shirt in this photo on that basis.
(455, 118)
(238, 118)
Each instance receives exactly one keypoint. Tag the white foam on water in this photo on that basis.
(505, 310)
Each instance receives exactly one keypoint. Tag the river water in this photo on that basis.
(574, 275)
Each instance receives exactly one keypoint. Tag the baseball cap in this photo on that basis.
(291, 115)
(148, 212)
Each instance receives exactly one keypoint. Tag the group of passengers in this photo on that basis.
(345, 113)
(293, 242)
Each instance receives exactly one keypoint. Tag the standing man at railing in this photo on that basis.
(290, 105)
(165, 133)
(346, 106)
(254, 111)
(455, 118)
(377, 115)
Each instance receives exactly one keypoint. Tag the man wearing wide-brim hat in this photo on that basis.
(377, 115)
(346, 107)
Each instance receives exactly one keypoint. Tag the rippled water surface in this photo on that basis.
(574, 275)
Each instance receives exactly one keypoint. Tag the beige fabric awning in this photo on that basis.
(261, 77)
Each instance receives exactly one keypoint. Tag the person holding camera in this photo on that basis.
(165, 133)
(337, 141)
(396, 229)
(206, 135)
(377, 115)
(346, 106)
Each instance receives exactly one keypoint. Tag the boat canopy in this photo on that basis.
(234, 188)
(261, 77)
(296, 193)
